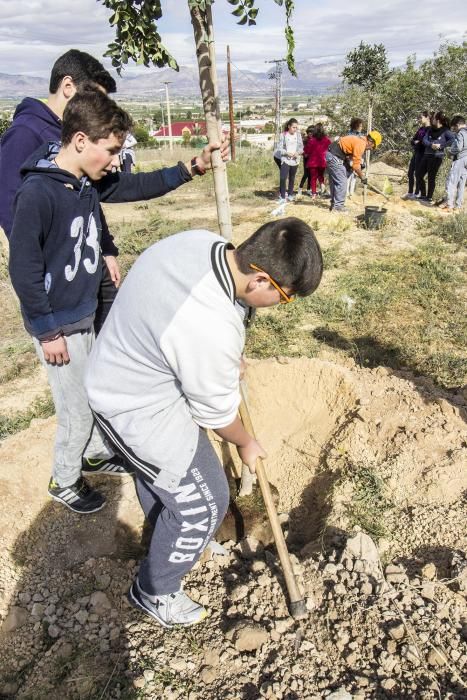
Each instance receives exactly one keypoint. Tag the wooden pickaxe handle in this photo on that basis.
(297, 606)
(375, 189)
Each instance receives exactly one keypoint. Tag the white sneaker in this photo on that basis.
(281, 200)
(291, 198)
(299, 192)
(168, 610)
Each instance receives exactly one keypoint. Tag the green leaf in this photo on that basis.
(243, 20)
(238, 12)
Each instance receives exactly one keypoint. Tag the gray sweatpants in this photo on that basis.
(337, 180)
(76, 436)
(184, 520)
(455, 183)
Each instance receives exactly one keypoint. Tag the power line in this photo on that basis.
(252, 81)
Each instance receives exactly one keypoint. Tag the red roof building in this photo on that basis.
(178, 128)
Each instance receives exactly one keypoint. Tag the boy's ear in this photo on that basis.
(68, 87)
(79, 140)
(257, 279)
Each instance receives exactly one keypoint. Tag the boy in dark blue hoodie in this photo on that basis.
(36, 122)
(55, 265)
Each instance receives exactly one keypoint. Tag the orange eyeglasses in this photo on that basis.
(285, 298)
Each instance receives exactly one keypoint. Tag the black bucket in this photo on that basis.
(375, 217)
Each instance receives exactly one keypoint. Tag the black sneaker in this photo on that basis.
(112, 466)
(79, 497)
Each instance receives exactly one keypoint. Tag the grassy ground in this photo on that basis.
(383, 304)
(401, 310)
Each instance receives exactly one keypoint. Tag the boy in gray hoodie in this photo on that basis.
(455, 182)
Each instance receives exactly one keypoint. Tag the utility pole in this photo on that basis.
(169, 120)
(277, 76)
(231, 112)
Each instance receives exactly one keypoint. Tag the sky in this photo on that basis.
(33, 33)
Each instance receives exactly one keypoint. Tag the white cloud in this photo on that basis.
(35, 32)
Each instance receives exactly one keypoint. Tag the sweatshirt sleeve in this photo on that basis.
(358, 151)
(456, 145)
(17, 145)
(107, 240)
(33, 214)
(207, 367)
(281, 149)
(299, 144)
(427, 140)
(136, 187)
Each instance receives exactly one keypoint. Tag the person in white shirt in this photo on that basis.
(127, 154)
(166, 368)
(287, 156)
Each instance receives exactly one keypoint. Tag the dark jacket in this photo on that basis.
(55, 263)
(33, 125)
(417, 140)
(442, 136)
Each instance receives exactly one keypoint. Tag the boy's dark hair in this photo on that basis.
(289, 123)
(458, 119)
(96, 115)
(426, 114)
(356, 124)
(319, 132)
(441, 118)
(310, 129)
(82, 68)
(288, 251)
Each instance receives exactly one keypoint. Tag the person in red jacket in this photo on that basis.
(315, 157)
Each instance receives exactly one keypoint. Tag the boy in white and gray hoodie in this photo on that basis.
(166, 367)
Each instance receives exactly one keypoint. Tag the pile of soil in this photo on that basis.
(67, 630)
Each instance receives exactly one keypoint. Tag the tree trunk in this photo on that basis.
(205, 53)
(369, 128)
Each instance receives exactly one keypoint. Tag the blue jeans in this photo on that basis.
(337, 180)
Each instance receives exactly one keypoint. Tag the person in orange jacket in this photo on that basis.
(344, 155)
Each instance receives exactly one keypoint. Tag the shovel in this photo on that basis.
(375, 189)
(297, 605)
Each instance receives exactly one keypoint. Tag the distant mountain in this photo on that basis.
(17, 86)
(312, 79)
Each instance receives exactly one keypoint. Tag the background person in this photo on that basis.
(417, 155)
(289, 150)
(127, 154)
(437, 138)
(315, 157)
(344, 154)
(457, 177)
(306, 173)
(355, 129)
